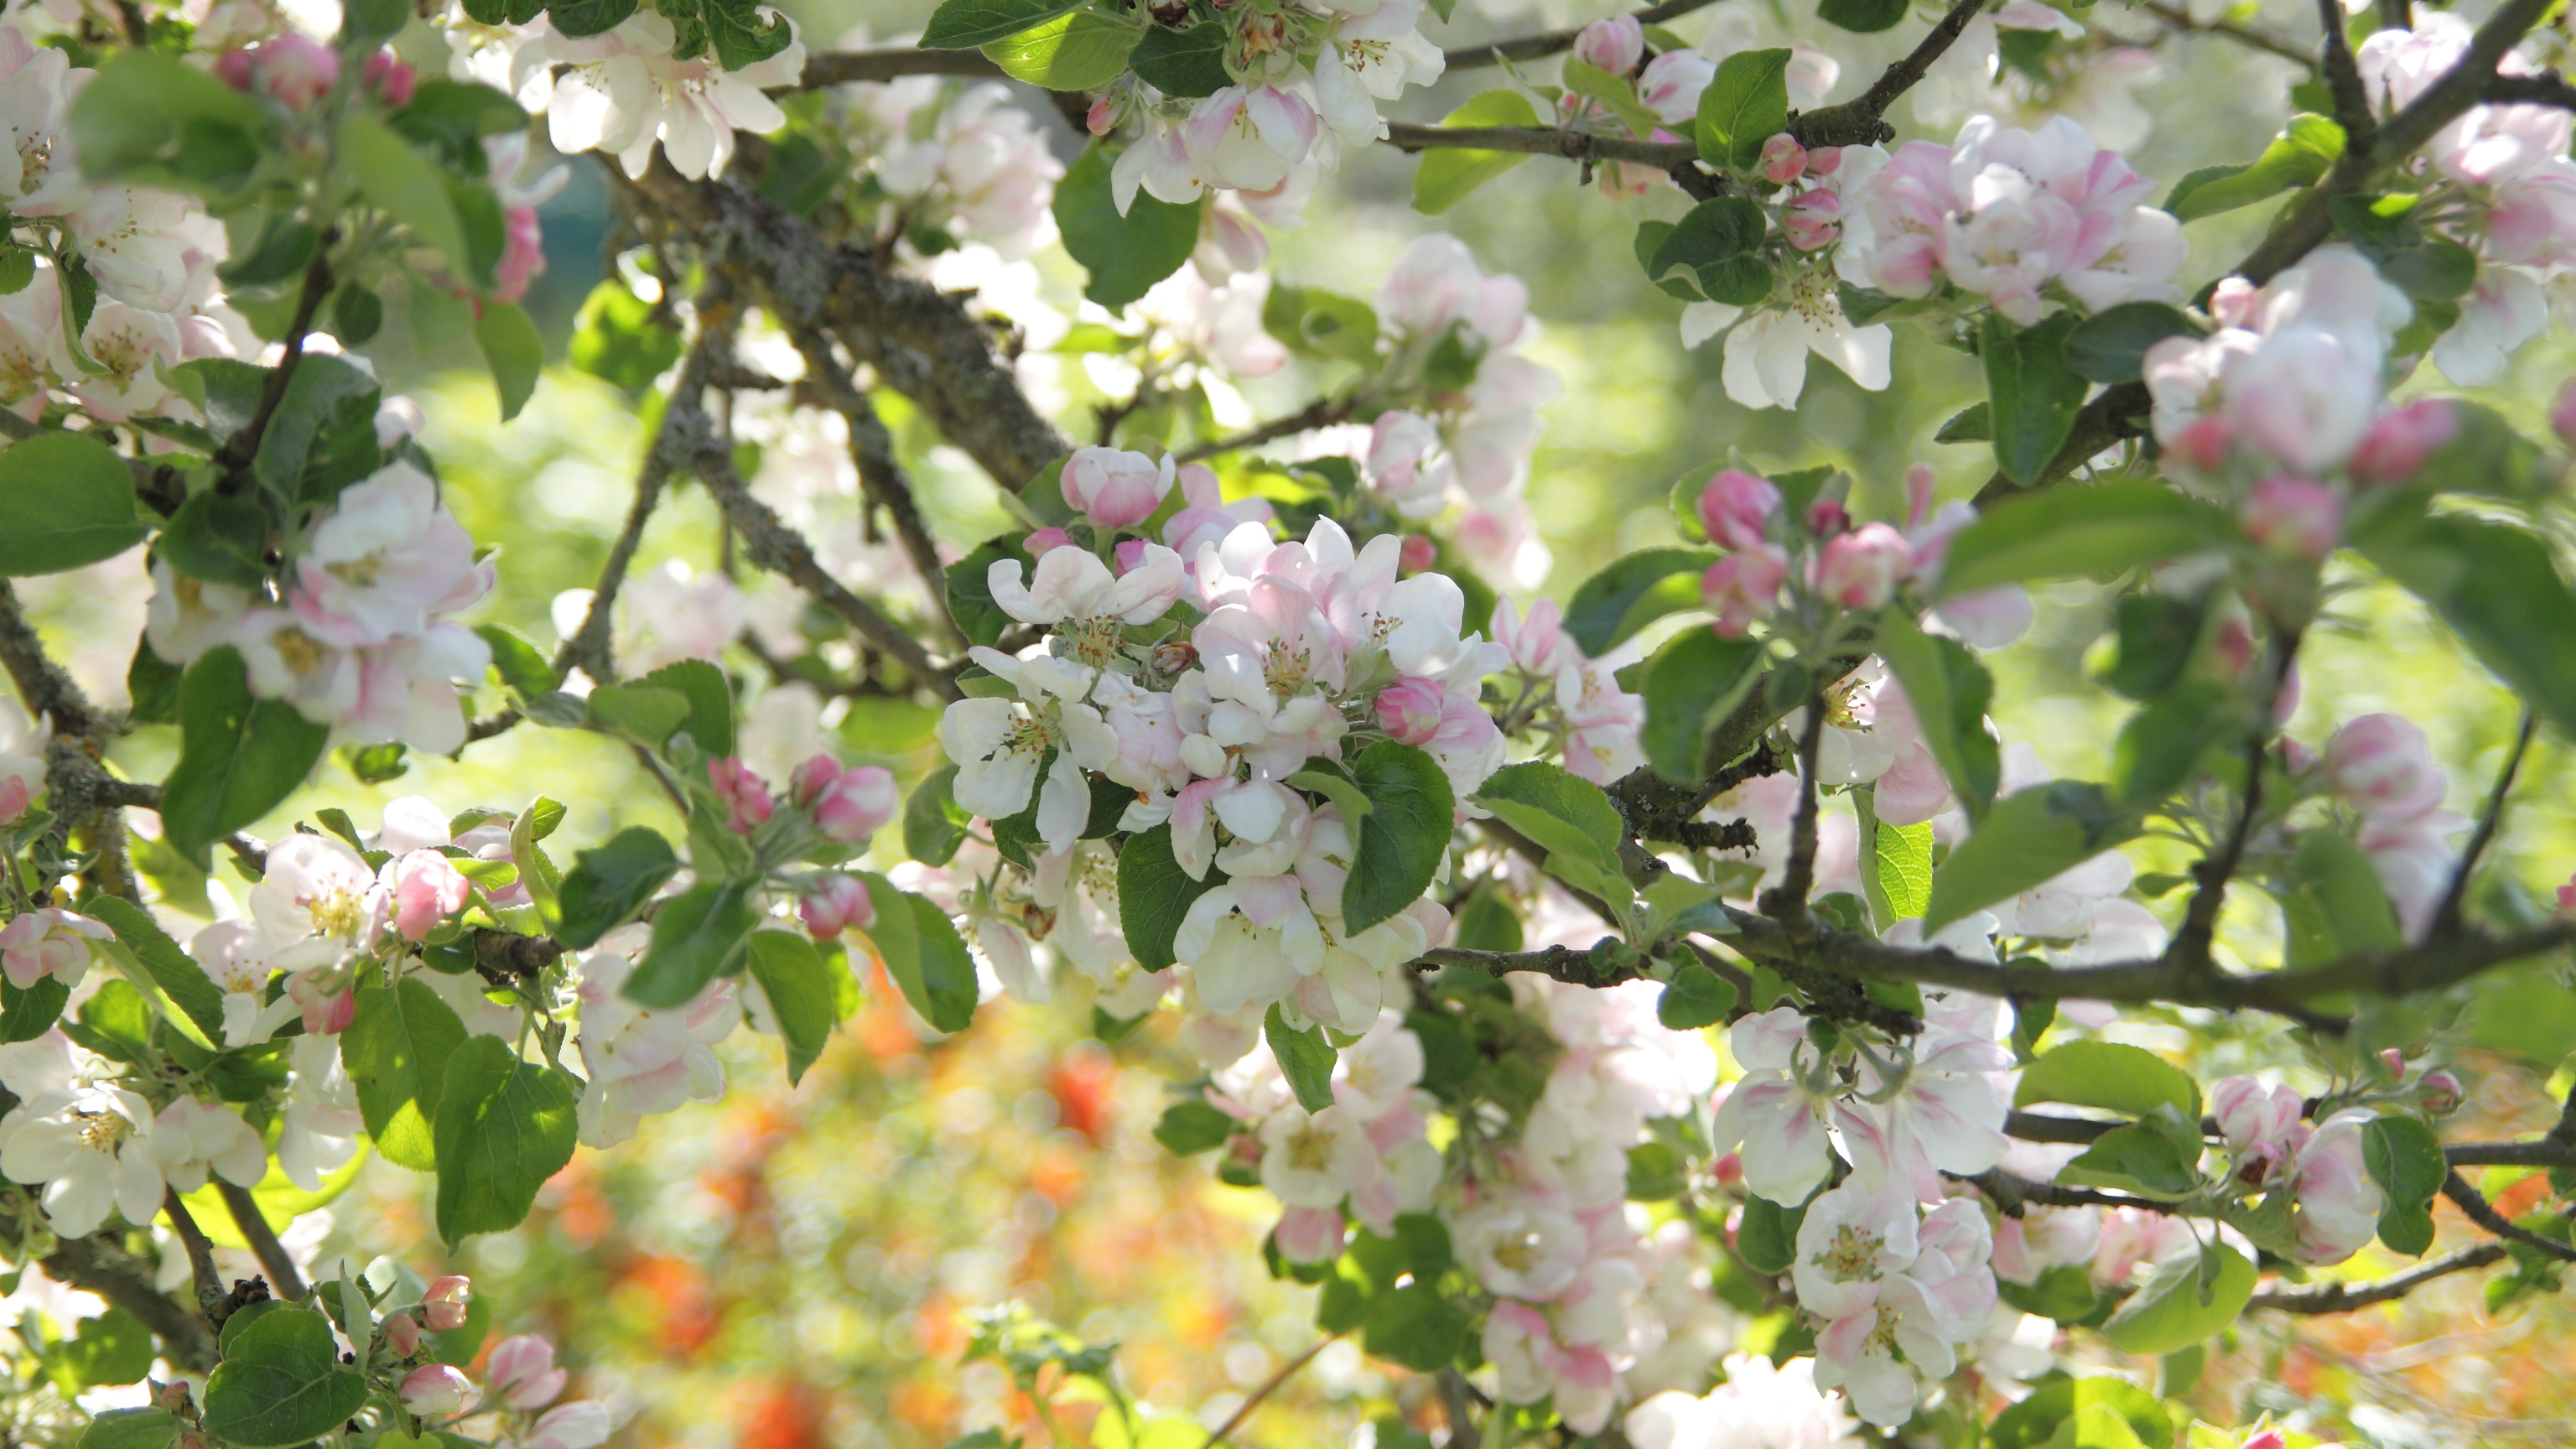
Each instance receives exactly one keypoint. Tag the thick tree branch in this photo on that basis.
(1543, 141)
(1606, 963)
(84, 797)
(201, 1253)
(881, 478)
(2011, 1194)
(2345, 1297)
(1862, 121)
(2546, 89)
(2343, 78)
(2469, 1200)
(1787, 902)
(840, 67)
(274, 1260)
(101, 1265)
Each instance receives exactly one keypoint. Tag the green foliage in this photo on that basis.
(1746, 104)
(1950, 691)
(2111, 345)
(2188, 1300)
(1398, 847)
(2297, 157)
(2110, 1075)
(1691, 683)
(1447, 175)
(611, 882)
(1634, 591)
(397, 1049)
(621, 338)
(1125, 254)
(503, 1126)
(923, 955)
(1075, 51)
(281, 1382)
(697, 934)
(2097, 530)
(2034, 1420)
(1694, 998)
(2498, 587)
(151, 119)
(1305, 1059)
(512, 350)
(2032, 392)
(797, 981)
(65, 502)
(1319, 324)
(1189, 64)
(238, 756)
(1568, 817)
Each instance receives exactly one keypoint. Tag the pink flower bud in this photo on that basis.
(2233, 302)
(1736, 508)
(2204, 442)
(523, 254)
(1861, 569)
(2441, 1092)
(1310, 1235)
(522, 1371)
(1783, 159)
(233, 68)
(1410, 710)
(1037, 544)
(1102, 118)
(1614, 45)
(853, 806)
(402, 1335)
(2567, 898)
(745, 799)
(1115, 489)
(2382, 766)
(2398, 443)
(390, 77)
(435, 1390)
(1127, 556)
(1418, 553)
(295, 69)
(1728, 1171)
(1743, 586)
(1827, 517)
(443, 1306)
(328, 1003)
(2395, 1060)
(14, 796)
(2293, 517)
(833, 903)
(1824, 160)
(810, 779)
(427, 889)
(1813, 221)
(2268, 1439)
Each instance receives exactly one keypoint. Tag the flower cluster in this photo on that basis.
(359, 635)
(2381, 767)
(971, 150)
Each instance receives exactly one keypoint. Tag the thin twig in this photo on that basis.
(241, 447)
(2246, 35)
(881, 477)
(589, 649)
(274, 1260)
(2011, 1194)
(2345, 1297)
(2469, 1200)
(2446, 920)
(1549, 42)
(2343, 78)
(1862, 121)
(201, 1253)
(1269, 1386)
(1543, 141)
(1323, 412)
(1787, 902)
(2191, 944)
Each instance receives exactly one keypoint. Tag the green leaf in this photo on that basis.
(732, 29)
(397, 1049)
(1398, 848)
(1691, 683)
(28, 1014)
(2335, 905)
(2095, 530)
(65, 502)
(2498, 588)
(173, 971)
(2064, 1293)
(2177, 1308)
(149, 118)
(113, 1348)
(2154, 636)
(1974, 423)
(2405, 1157)
(710, 697)
(1767, 1238)
(1694, 998)
(1125, 255)
(1305, 1059)
(517, 661)
(640, 714)
(1567, 815)
(1192, 1127)
(1185, 64)
(238, 756)
(610, 882)
(145, 1428)
(1154, 895)
(1447, 175)
(923, 954)
(2297, 157)
(1949, 690)
(1633, 592)
(1867, 17)
(966, 24)
(798, 983)
(512, 350)
(1416, 1327)
(933, 825)
(1655, 1173)
(2032, 394)
(1325, 325)
(1715, 232)
(503, 1127)
(970, 590)
(1901, 867)
(281, 1382)
(2161, 746)
(2110, 1075)
(2111, 346)
(1746, 104)
(397, 179)
(2135, 1159)
(1613, 93)
(618, 337)
(1076, 51)
(696, 936)
(2529, 1013)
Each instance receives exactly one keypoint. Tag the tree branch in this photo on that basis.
(2191, 944)
(881, 478)
(2246, 35)
(1597, 965)
(274, 1260)
(2546, 89)
(241, 447)
(101, 1265)
(1861, 121)
(1323, 412)
(840, 67)
(2343, 78)
(588, 650)
(201, 1253)
(2345, 1297)
(2011, 1194)
(83, 794)
(1543, 141)
(2447, 920)
(1787, 902)
(2469, 1200)
(1549, 42)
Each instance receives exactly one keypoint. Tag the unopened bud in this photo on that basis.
(1827, 518)
(2395, 1060)
(444, 1305)
(1175, 657)
(2441, 1092)
(402, 1335)
(1418, 553)
(1783, 159)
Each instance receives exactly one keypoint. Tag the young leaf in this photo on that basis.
(1187, 64)
(397, 1048)
(710, 697)
(149, 118)
(1633, 592)
(1695, 997)
(1690, 683)
(1126, 254)
(1075, 51)
(503, 1127)
(238, 756)
(1901, 868)
(2498, 588)
(281, 1382)
(1448, 174)
(2297, 157)
(1154, 894)
(1949, 690)
(1566, 815)
(1192, 1127)
(1745, 104)
(174, 973)
(2095, 530)
(797, 981)
(1305, 1059)
(923, 955)
(397, 179)
(2161, 746)
(966, 24)
(1398, 848)
(2111, 1075)
(65, 502)
(2031, 392)
(512, 350)
(2183, 1303)
(732, 29)
(610, 882)
(696, 935)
